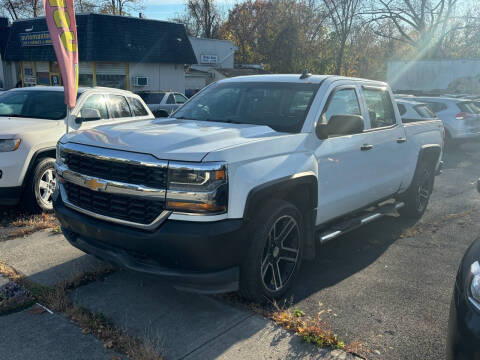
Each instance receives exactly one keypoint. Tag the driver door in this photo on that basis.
(96, 102)
(345, 170)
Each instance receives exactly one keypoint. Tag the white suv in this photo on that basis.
(33, 119)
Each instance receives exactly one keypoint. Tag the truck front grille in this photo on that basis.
(132, 209)
(151, 176)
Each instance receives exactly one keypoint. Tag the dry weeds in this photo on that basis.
(57, 300)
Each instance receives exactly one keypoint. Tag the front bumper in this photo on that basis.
(463, 342)
(197, 256)
(10, 195)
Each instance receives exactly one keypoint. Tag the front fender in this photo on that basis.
(247, 176)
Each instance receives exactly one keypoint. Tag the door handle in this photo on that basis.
(401, 140)
(366, 147)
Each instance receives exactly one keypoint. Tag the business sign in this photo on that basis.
(41, 38)
(208, 59)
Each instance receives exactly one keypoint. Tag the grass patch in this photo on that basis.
(57, 300)
(312, 330)
(31, 224)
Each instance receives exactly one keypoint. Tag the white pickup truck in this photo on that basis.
(33, 119)
(236, 189)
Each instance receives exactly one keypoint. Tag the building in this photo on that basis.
(115, 51)
(212, 54)
(437, 76)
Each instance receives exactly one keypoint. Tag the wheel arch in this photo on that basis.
(301, 190)
(38, 155)
(430, 153)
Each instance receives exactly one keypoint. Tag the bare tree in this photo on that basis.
(342, 14)
(19, 9)
(85, 6)
(422, 24)
(120, 7)
(201, 18)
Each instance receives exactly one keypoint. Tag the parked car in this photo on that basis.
(162, 103)
(236, 189)
(33, 119)
(460, 117)
(413, 111)
(464, 323)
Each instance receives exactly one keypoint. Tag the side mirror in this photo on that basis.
(341, 125)
(88, 114)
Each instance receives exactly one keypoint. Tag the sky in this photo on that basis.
(166, 9)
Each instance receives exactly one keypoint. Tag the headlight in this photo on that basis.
(475, 284)
(197, 188)
(59, 155)
(9, 145)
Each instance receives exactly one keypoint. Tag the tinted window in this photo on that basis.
(171, 99)
(152, 98)
(282, 106)
(469, 107)
(118, 106)
(180, 99)
(96, 102)
(33, 104)
(137, 107)
(380, 108)
(342, 102)
(436, 106)
(402, 109)
(424, 112)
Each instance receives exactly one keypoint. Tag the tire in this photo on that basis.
(39, 192)
(417, 196)
(265, 274)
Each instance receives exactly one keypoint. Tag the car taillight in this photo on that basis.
(462, 116)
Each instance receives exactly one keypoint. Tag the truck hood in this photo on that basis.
(171, 139)
(16, 126)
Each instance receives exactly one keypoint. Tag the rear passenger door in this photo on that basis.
(385, 141)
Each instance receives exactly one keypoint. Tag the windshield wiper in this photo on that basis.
(229, 121)
(182, 118)
(11, 115)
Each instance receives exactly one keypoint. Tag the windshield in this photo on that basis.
(281, 106)
(39, 104)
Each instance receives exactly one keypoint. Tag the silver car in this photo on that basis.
(162, 103)
(413, 111)
(461, 117)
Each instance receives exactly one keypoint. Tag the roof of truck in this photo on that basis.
(295, 78)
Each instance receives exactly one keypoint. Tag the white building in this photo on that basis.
(212, 54)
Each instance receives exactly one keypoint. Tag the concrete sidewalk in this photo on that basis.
(183, 325)
(25, 335)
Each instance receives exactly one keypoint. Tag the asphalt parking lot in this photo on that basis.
(387, 285)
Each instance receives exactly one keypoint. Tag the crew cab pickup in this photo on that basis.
(236, 189)
(33, 119)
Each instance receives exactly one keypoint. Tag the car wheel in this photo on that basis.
(39, 196)
(275, 253)
(416, 198)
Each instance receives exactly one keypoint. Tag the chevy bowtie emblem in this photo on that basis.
(95, 185)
